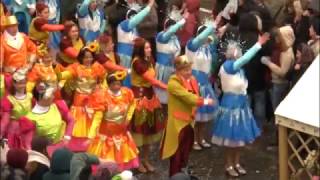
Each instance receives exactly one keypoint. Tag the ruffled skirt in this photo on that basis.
(235, 125)
(163, 74)
(148, 121)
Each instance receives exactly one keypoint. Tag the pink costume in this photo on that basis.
(14, 126)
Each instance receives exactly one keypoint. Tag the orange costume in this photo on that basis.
(15, 50)
(148, 121)
(85, 80)
(112, 141)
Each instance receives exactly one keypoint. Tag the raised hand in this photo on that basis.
(263, 38)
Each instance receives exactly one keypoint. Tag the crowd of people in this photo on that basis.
(88, 86)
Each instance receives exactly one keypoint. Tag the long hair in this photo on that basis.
(138, 48)
(307, 55)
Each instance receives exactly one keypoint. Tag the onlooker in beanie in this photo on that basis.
(38, 161)
(59, 165)
(15, 167)
(148, 28)
(80, 167)
(314, 33)
(106, 171)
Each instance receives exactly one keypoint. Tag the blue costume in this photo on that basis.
(126, 34)
(168, 48)
(202, 55)
(20, 8)
(91, 24)
(235, 125)
(54, 18)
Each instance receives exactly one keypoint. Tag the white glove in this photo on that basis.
(265, 60)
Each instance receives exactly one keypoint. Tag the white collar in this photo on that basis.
(38, 109)
(35, 156)
(15, 41)
(20, 96)
(114, 94)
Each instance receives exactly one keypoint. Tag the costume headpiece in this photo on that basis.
(20, 74)
(181, 62)
(116, 76)
(10, 20)
(133, 8)
(42, 50)
(175, 15)
(92, 46)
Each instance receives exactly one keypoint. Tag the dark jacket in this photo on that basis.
(254, 70)
(9, 173)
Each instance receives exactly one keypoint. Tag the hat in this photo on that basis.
(182, 62)
(10, 20)
(17, 158)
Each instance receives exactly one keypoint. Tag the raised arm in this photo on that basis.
(135, 20)
(172, 30)
(84, 8)
(200, 39)
(251, 52)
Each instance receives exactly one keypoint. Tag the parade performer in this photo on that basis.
(168, 48)
(86, 75)
(127, 33)
(109, 136)
(39, 28)
(51, 118)
(23, 10)
(16, 49)
(106, 55)
(70, 46)
(148, 120)
(183, 98)
(43, 72)
(54, 18)
(200, 50)
(14, 106)
(235, 126)
(92, 21)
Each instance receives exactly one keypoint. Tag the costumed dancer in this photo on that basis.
(39, 30)
(148, 120)
(51, 118)
(16, 49)
(183, 99)
(70, 47)
(106, 55)
(23, 10)
(92, 22)
(54, 18)
(86, 75)
(168, 48)
(43, 71)
(200, 50)
(109, 137)
(235, 126)
(127, 32)
(14, 106)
